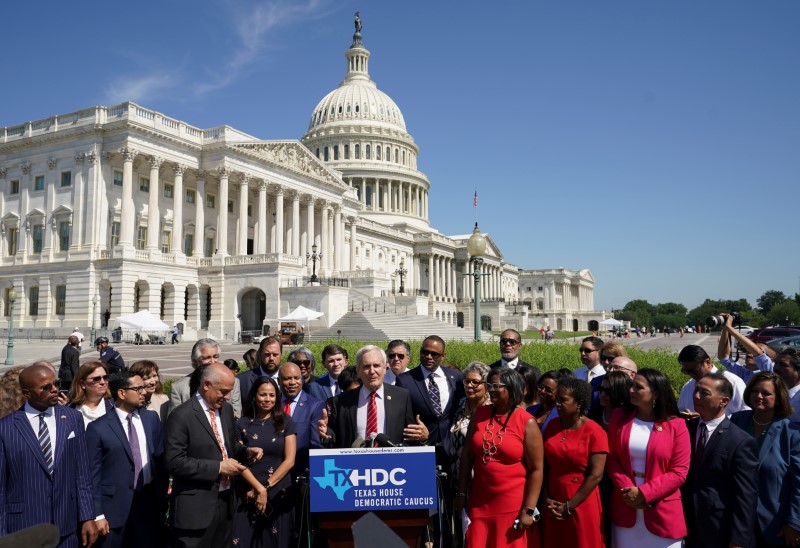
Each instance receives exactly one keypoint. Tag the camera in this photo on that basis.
(718, 321)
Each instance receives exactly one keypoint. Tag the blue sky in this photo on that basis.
(655, 143)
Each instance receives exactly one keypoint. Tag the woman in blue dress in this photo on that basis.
(264, 512)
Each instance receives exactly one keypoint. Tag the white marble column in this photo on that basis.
(352, 221)
(279, 228)
(153, 214)
(177, 210)
(200, 214)
(262, 220)
(363, 193)
(241, 242)
(295, 223)
(222, 214)
(323, 247)
(430, 275)
(338, 239)
(128, 213)
(310, 236)
(331, 245)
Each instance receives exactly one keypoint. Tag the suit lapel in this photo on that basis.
(715, 439)
(624, 438)
(300, 406)
(203, 418)
(769, 438)
(24, 428)
(63, 429)
(423, 390)
(116, 427)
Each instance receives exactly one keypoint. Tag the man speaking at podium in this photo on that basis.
(374, 412)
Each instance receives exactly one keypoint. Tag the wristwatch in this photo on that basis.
(533, 512)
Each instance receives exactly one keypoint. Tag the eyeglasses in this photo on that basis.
(431, 353)
(612, 368)
(604, 390)
(495, 385)
(395, 355)
(546, 389)
(97, 379)
(509, 341)
(139, 389)
(472, 382)
(604, 358)
(583, 350)
(691, 372)
(50, 385)
(302, 363)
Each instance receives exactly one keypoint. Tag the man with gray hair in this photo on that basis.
(205, 352)
(372, 410)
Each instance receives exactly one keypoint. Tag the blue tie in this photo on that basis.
(44, 442)
(433, 391)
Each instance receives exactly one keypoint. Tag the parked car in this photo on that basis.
(786, 341)
(769, 333)
(746, 330)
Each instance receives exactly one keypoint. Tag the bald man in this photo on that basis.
(202, 457)
(624, 364)
(44, 467)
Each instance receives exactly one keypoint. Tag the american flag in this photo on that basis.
(475, 199)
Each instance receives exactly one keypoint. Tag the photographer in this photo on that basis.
(758, 356)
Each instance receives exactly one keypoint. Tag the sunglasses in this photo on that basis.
(430, 353)
(604, 390)
(395, 355)
(139, 389)
(546, 389)
(97, 379)
(49, 386)
(495, 385)
(586, 350)
(604, 358)
(302, 363)
(690, 372)
(472, 382)
(509, 341)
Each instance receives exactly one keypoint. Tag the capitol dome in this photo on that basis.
(359, 131)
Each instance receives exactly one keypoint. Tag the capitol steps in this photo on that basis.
(377, 326)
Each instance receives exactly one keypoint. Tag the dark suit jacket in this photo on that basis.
(321, 388)
(438, 425)
(778, 476)
(307, 413)
(499, 363)
(193, 458)
(342, 423)
(112, 464)
(720, 493)
(29, 495)
(68, 368)
(307, 385)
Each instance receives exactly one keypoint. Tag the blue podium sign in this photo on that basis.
(390, 478)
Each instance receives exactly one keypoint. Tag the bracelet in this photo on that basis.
(269, 487)
(567, 508)
(457, 495)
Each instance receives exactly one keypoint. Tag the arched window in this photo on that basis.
(368, 153)
(335, 152)
(317, 152)
(404, 157)
(358, 150)
(378, 152)
(348, 108)
(397, 155)
(326, 154)
(346, 152)
(340, 109)
(356, 109)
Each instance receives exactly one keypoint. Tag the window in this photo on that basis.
(208, 248)
(378, 152)
(117, 178)
(540, 288)
(61, 299)
(249, 210)
(13, 233)
(115, 227)
(347, 150)
(141, 237)
(33, 301)
(358, 152)
(190, 196)
(368, 153)
(38, 238)
(335, 152)
(13, 187)
(211, 201)
(38, 182)
(66, 178)
(166, 239)
(63, 236)
(230, 206)
(317, 153)
(188, 244)
(168, 190)
(144, 184)
(326, 154)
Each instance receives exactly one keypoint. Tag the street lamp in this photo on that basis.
(314, 256)
(12, 297)
(476, 247)
(401, 272)
(94, 306)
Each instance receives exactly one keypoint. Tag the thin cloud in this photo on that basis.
(139, 89)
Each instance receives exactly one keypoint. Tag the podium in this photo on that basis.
(398, 484)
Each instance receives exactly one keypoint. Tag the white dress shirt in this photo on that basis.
(441, 382)
(512, 363)
(361, 413)
(49, 420)
(220, 430)
(147, 472)
(586, 374)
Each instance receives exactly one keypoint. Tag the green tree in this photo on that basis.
(769, 300)
(785, 313)
(638, 312)
(710, 307)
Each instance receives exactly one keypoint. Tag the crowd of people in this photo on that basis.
(599, 455)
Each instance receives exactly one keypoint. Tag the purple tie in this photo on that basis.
(133, 439)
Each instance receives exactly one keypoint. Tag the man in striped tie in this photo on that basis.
(44, 469)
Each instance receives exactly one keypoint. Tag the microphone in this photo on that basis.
(359, 442)
(384, 441)
(372, 438)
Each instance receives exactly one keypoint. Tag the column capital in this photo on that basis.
(91, 156)
(324, 205)
(337, 209)
(308, 199)
(279, 191)
(155, 162)
(352, 220)
(224, 172)
(294, 195)
(201, 175)
(262, 185)
(108, 156)
(26, 168)
(52, 162)
(244, 179)
(128, 154)
(79, 158)
(179, 169)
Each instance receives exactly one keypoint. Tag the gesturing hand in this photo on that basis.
(322, 426)
(231, 467)
(416, 432)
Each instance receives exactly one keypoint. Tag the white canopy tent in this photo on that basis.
(611, 322)
(143, 320)
(302, 314)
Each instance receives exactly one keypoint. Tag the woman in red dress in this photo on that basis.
(575, 450)
(504, 459)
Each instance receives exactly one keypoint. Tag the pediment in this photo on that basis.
(292, 155)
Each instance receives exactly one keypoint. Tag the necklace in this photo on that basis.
(603, 418)
(761, 423)
(564, 429)
(492, 439)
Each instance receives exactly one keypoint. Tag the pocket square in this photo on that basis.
(71, 435)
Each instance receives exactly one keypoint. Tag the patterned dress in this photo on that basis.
(251, 529)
